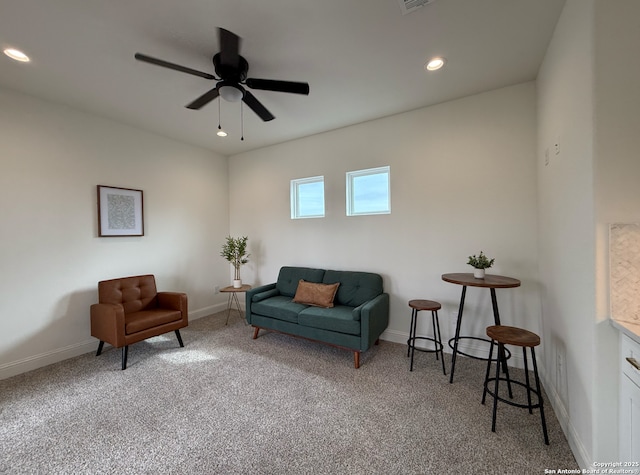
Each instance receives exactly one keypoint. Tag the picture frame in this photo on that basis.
(120, 212)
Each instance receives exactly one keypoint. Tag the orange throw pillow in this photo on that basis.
(319, 295)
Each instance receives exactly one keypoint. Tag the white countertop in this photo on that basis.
(631, 329)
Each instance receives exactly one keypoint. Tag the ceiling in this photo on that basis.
(363, 59)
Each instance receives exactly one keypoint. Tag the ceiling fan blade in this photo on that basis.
(177, 67)
(257, 107)
(204, 99)
(279, 86)
(229, 48)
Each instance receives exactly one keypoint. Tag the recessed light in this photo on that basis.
(17, 55)
(435, 64)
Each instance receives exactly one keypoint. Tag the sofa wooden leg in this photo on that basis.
(125, 351)
(179, 338)
(356, 359)
(100, 348)
(255, 332)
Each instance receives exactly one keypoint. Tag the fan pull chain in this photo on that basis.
(242, 121)
(220, 132)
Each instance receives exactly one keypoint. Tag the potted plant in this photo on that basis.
(235, 251)
(479, 264)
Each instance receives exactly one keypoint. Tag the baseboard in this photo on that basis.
(577, 447)
(40, 360)
(394, 336)
(44, 359)
(206, 311)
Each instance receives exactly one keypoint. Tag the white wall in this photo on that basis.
(588, 100)
(617, 142)
(567, 224)
(617, 105)
(52, 158)
(463, 179)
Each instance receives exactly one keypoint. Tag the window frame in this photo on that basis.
(296, 183)
(350, 176)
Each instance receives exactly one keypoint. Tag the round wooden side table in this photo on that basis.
(233, 297)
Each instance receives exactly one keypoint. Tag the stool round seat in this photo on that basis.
(513, 336)
(420, 304)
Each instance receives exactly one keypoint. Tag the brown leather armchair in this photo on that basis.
(131, 310)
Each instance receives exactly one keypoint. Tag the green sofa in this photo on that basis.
(359, 316)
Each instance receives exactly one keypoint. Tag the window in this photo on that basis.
(307, 197)
(368, 192)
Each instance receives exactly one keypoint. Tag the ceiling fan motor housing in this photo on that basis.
(229, 72)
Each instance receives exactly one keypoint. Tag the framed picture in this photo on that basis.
(120, 212)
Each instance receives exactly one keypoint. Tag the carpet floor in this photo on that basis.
(227, 404)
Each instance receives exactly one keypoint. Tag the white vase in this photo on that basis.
(237, 283)
(478, 273)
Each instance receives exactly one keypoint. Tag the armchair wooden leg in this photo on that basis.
(356, 359)
(100, 348)
(179, 338)
(125, 351)
(255, 332)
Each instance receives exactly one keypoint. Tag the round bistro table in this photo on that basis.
(491, 282)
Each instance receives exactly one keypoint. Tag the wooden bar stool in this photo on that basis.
(505, 335)
(417, 306)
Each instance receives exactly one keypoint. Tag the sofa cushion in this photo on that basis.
(289, 277)
(145, 319)
(355, 287)
(338, 319)
(319, 295)
(279, 307)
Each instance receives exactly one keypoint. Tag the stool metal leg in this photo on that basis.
(486, 375)
(539, 389)
(526, 378)
(495, 394)
(438, 338)
(502, 359)
(435, 335)
(411, 335)
(414, 319)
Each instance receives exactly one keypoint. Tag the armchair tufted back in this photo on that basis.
(133, 293)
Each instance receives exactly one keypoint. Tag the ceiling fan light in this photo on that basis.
(230, 93)
(434, 64)
(17, 55)
(221, 133)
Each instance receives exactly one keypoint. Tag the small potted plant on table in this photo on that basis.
(479, 264)
(235, 251)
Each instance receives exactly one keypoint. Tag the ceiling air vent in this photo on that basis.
(408, 6)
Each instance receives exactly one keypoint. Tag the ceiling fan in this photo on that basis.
(231, 70)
